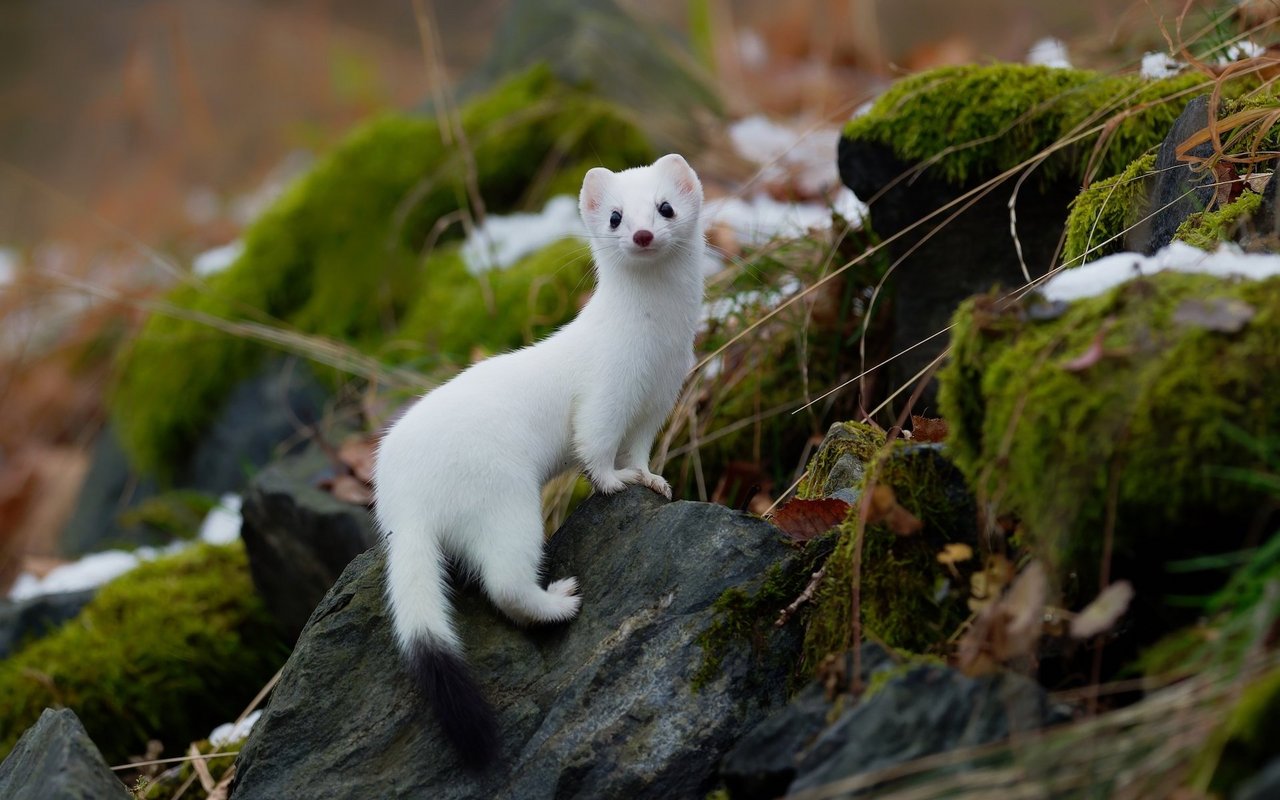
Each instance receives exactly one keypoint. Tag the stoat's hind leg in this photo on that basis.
(507, 552)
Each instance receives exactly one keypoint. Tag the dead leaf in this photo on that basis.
(803, 520)
(928, 429)
(1227, 184)
(953, 554)
(883, 507)
(1221, 314)
(1092, 354)
(1103, 613)
(359, 453)
(1009, 628)
(349, 489)
(985, 587)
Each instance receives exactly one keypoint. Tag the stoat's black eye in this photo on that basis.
(666, 210)
(615, 219)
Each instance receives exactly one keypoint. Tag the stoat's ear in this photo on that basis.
(593, 190)
(675, 169)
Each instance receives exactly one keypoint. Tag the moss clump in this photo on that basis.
(908, 600)
(841, 460)
(169, 650)
(340, 255)
(171, 515)
(1142, 429)
(982, 120)
(1102, 214)
(1208, 229)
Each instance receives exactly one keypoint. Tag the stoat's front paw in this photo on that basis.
(655, 482)
(615, 480)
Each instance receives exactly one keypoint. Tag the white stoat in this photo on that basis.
(460, 474)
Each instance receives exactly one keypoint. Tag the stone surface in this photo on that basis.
(299, 538)
(926, 710)
(763, 762)
(600, 707)
(110, 486)
(1178, 192)
(967, 255)
(1263, 786)
(24, 620)
(55, 760)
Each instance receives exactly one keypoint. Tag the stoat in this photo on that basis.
(460, 474)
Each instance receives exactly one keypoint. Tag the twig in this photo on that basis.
(787, 613)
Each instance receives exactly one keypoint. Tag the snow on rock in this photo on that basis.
(220, 526)
(231, 732)
(789, 153)
(503, 240)
(1106, 273)
(211, 262)
(8, 265)
(1157, 65)
(1242, 50)
(1049, 52)
(761, 218)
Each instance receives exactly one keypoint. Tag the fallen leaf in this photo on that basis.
(1103, 613)
(1092, 354)
(955, 553)
(803, 520)
(359, 454)
(986, 586)
(1227, 184)
(928, 429)
(1009, 628)
(883, 507)
(349, 489)
(1222, 314)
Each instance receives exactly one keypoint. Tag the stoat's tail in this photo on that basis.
(423, 619)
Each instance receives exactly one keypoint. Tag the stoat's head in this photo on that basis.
(644, 213)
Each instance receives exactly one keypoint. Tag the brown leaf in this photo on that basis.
(928, 429)
(1222, 314)
(1009, 628)
(803, 520)
(1103, 613)
(1092, 354)
(358, 453)
(883, 507)
(1228, 185)
(349, 489)
(955, 553)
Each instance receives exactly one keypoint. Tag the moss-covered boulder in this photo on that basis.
(341, 255)
(166, 651)
(1108, 429)
(1106, 217)
(908, 599)
(1208, 229)
(936, 136)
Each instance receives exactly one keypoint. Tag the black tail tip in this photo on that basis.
(465, 716)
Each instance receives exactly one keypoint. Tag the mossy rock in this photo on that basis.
(167, 651)
(909, 600)
(974, 122)
(1208, 229)
(340, 255)
(1103, 216)
(1245, 742)
(1133, 442)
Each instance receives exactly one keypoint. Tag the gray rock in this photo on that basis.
(763, 762)
(600, 707)
(110, 486)
(24, 620)
(1178, 191)
(56, 760)
(968, 255)
(928, 709)
(1263, 786)
(299, 539)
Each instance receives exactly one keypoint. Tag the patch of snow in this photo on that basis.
(804, 155)
(503, 240)
(1106, 273)
(1157, 65)
(231, 732)
(761, 218)
(222, 524)
(1049, 52)
(8, 265)
(752, 50)
(864, 109)
(1241, 50)
(211, 262)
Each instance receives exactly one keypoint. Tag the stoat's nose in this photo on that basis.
(642, 238)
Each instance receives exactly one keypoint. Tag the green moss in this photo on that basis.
(908, 600)
(982, 120)
(1146, 425)
(1102, 214)
(840, 460)
(1246, 741)
(339, 256)
(1208, 229)
(171, 515)
(169, 650)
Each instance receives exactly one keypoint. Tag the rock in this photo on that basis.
(56, 760)
(1179, 192)
(601, 707)
(763, 762)
(110, 486)
(1263, 786)
(1268, 219)
(24, 620)
(969, 254)
(299, 538)
(926, 710)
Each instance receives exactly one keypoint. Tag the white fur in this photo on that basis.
(460, 474)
